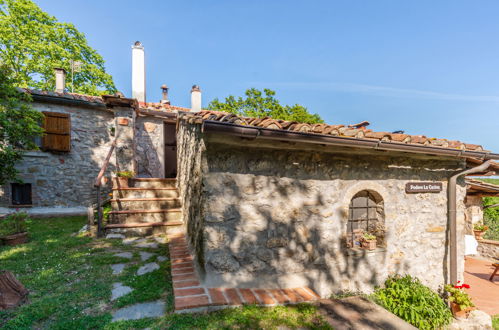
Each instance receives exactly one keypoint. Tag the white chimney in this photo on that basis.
(138, 72)
(60, 80)
(195, 99)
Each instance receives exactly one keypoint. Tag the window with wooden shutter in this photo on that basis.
(57, 135)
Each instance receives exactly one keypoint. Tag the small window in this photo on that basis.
(57, 136)
(366, 215)
(21, 193)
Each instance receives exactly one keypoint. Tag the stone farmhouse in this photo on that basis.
(262, 202)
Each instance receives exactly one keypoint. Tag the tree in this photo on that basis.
(258, 105)
(33, 43)
(19, 124)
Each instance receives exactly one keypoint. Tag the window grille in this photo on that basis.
(365, 215)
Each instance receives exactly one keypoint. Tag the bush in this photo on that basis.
(413, 302)
(14, 223)
(125, 174)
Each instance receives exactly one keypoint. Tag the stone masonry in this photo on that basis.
(66, 179)
(275, 215)
(149, 147)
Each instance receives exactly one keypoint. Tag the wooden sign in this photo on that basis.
(423, 187)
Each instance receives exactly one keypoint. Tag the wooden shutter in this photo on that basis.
(57, 132)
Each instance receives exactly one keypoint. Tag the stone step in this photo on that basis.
(145, 216)
(122, 204)
(145, 193)
(145, 229)
(153, 183)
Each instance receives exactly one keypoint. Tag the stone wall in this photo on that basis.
(191, 166)
(474, 212)
(149, 135)
(488, 248)
(276, 215)
(66, 179)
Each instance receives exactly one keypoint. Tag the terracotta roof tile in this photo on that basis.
(358, 131)
(161, 107)
(65, 95)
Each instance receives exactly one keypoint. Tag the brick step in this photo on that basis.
(153, 183)
(145, 216)
(145, 193)
(121, 204)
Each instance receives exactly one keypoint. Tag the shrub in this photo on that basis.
(480, 227)
(415, 303)
(14, 223)
(125, 174)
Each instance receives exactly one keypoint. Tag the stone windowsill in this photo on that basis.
(488, 241)
(357, 252)
(39, 154)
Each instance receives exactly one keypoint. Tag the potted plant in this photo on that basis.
(479, 230)
(459, 300)
(122, 178)
(368, 241)
(13, 228)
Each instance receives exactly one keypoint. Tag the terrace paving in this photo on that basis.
(484, 293)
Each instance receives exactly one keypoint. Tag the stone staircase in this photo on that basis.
(147, 206)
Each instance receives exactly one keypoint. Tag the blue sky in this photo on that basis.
(426, 67)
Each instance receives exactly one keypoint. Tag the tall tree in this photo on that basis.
(264, 104)
(33, 42)
(19, 124)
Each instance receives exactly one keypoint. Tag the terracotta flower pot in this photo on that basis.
(479, 234)
(15, 239)
(369, 244)
(458, 312)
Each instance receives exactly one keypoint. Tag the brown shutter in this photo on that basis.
(57, 132)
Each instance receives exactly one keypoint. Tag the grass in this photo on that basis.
(70, 280)
(495, 322)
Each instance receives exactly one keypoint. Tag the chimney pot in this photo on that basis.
(195, 99)
(164, 89)
(138, 72)
(60, 80)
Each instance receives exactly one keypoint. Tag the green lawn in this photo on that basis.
(70, 281)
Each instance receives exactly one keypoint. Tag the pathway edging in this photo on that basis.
(192, 296)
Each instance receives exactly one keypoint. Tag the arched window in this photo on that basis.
(366, 216)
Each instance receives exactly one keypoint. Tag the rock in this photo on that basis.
(115, 236)
(161, 240)
(147, 268)
(277, 242)
(127, 255)
(477, 320)
(223, 262)
(139, 311)
(145, 255)
(84, 229)
(117, 268)
(119, 290)
(162, 258)
(132, 240)
(150, 245)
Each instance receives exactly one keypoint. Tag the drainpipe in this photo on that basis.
(452, 215)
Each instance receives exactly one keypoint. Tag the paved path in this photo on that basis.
(485, 294)
(141, 310)
(360, 314)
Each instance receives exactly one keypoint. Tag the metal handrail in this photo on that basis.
(98, 184)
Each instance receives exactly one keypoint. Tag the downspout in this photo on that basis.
(452, 215)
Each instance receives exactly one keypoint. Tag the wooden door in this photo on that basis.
(170, 150)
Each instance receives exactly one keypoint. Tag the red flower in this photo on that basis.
(467, 286)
